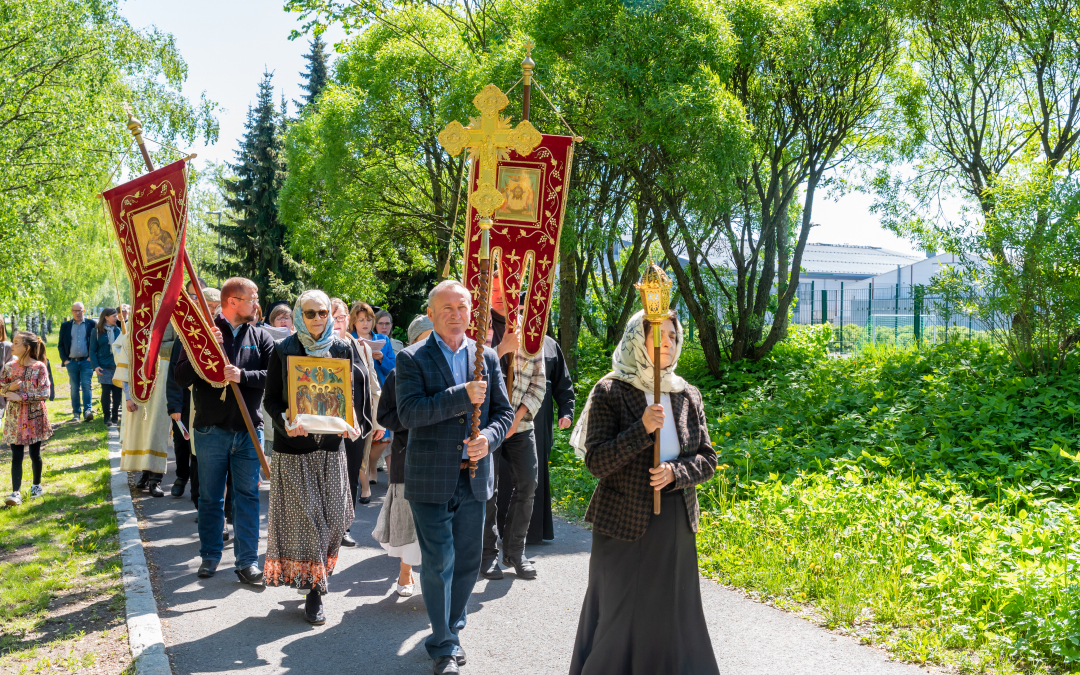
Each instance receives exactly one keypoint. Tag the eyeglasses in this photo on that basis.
(310, 314)
(250, 301)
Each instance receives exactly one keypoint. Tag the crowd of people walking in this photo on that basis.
(456, 507)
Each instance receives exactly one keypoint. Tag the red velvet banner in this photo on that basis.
(149, 217)
(525, 235)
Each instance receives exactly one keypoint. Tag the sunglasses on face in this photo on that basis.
(310, 314)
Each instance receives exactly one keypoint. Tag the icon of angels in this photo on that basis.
(319, 386)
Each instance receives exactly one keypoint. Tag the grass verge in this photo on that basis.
(61, 596)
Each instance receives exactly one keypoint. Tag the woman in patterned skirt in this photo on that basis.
(24, 384)
(310, 503)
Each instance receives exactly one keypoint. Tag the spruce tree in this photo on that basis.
(315, 77)
(255, 241)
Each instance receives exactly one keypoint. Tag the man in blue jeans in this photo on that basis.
(435, 398)
(76, 338)
(220, 435)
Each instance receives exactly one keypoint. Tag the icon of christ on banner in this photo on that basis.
(521, 187)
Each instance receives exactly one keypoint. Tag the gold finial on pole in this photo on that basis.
(135, 127)
(528, 64)
(655, 290)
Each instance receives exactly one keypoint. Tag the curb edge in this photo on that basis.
(145, 637)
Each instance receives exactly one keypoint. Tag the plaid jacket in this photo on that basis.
(438, 415)
(619, 453)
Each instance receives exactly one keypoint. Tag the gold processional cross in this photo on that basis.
(487, 139)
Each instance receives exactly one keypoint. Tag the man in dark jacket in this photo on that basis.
(76, 341)
(435, 398)
(220, 435)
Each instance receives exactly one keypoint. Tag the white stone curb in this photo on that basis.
(144, 626)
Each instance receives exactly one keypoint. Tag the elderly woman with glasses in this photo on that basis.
(310, 503)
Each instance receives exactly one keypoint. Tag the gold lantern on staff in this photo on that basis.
(655, 290)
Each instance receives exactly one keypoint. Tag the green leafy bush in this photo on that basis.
(926, 500)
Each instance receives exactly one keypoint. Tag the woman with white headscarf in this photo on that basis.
(642, 612)
(310, 502)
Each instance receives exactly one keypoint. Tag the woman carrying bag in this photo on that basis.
(103, 363)
(642, 612)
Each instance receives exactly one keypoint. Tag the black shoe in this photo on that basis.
(142, 482)
(225, 534)
(363, 500)
(207, 569)
(460, 656)
(313, 609)
(347, 540)
(373, 482)
(178, 487)
(250, 575)
(155, 490)
(489, 569)
(522, 566)
(446, 664)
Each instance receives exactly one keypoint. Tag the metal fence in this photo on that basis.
(896, 314)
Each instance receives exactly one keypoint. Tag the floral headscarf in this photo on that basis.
(313, 346)
(631, 364)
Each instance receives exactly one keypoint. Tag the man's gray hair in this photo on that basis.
(446, 285)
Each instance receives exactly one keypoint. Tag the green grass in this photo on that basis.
(61, 546)
(925, 501)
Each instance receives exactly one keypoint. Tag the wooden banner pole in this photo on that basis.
(135, 127)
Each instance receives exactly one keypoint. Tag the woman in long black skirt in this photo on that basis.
(642, 612)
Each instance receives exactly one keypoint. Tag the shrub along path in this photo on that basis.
(218, 625)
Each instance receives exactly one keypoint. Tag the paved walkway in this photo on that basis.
(218, 625)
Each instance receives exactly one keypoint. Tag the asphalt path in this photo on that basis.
(218, 625)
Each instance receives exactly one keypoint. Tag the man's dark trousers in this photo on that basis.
(519, 451)
(449, 533)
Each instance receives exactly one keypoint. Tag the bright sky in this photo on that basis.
(228, 43)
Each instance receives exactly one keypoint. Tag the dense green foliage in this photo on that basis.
(925, 500)
(68, 69)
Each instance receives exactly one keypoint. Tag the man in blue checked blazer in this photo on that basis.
(435, 398)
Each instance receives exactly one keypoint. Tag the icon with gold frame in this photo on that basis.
(320, 386)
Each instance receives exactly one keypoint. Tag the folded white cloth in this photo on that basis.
(322, 424)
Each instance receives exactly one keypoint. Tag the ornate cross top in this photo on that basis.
(486, 138)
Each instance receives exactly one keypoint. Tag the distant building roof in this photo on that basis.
(846, 261)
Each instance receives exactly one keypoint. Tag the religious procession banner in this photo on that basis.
(524, 237)
(149, 218)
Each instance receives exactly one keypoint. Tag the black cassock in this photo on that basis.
(560, 391)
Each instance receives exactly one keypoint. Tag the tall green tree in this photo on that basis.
(316, 77)
(68, 70)
(255, 241)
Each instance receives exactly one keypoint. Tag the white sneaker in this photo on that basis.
(36, 491)
(405, 591)
(13, 499)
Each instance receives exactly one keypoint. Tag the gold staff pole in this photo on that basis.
(655, 289)
(135, 127)
(511, 319)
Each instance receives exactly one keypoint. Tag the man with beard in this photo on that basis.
(220, 434)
